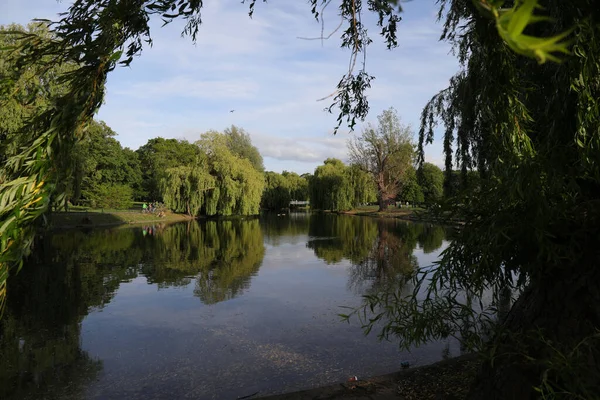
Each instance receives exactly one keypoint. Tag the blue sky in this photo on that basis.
(272, 79)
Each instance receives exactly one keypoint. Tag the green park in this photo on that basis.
(156, 243)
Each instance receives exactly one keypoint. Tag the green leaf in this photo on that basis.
(116, 56)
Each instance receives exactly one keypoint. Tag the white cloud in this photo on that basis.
(187, 86)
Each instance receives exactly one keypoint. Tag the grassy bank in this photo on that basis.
(446, 380)
(97, 218)
(415, 214)
(390, 212)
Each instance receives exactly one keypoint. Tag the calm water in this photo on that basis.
(208, 310)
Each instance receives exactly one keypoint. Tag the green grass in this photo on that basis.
(99, 217)
(391, 211)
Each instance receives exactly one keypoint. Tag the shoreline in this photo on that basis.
(406, 214)
(95, 219)
(444, 380)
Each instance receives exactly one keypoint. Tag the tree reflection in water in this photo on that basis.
(380, 250)
(74, 273)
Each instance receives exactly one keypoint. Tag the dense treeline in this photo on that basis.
(222, 173)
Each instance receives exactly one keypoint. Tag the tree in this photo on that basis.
(277, 193)
(531, 130)
(298, 185)
(385, 152)
(99, 159)
(431, 180)
(338, 187)
(111, 195)
(411, 190)
(184, 189)
(238, 185)
(363, 188)
(240, 143)
(160, 154)
(31, 94)
(330, 188)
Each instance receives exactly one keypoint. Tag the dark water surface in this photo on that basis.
(206, 310)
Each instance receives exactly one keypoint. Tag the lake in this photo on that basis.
(208, 309)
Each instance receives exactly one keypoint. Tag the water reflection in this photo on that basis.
(40, 331)
(220, 257)
(73, 276)
(290, 228)
(380, 250)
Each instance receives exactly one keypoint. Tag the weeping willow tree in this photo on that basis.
(238, 184)
(532, 130)
(530, 127)
(337, 187)
(277, 193)
(184, 189)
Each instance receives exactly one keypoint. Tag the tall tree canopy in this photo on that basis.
(531, 129)
(431, 180)
(99, 160)
(338, 187)
(277, 194)
(240, 143)
(157, 156)
(239, 186)
(216, 182)
(385, 152)
(298, 185)
(282, 188)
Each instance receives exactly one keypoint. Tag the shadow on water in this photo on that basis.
(72, 275)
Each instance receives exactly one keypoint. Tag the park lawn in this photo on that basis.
(391, 211)
(96, 217)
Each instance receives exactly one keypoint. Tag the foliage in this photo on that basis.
(277, 193)
(336, 187)
(363, 188)
(34, 144)
(110, 195)
(431, 180)
(99, 159)
(298, 185)
(238, 185)
(184, 189)
(240, 144)
(30, 94)
(282, 188)
(157, 156)
(457, 183)
(531, 130)
(411, 190)
(386, 153)
(511, 22)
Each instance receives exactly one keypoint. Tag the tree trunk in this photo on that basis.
(381, 198)
(567, 308)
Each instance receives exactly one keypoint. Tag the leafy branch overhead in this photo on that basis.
(512, 22)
